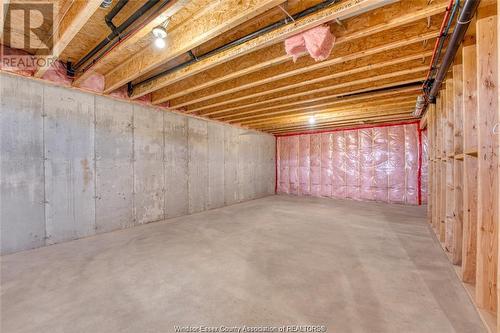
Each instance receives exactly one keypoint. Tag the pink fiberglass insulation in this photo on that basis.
(338, 172)
(22, 63)
(411, 163)
(315, 173)
(94, 82)
(295, 46)
(379, 163)
(326, 164)
(396, 164)
(17, 61)
(283, 171)
(57, 73)
(293, 165)
(424, 183)
(352, 164)
(366, 167)
(304, 165)
(318, 42)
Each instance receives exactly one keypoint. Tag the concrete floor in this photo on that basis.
(351, 266)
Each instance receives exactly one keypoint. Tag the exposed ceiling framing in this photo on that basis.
(381, 56)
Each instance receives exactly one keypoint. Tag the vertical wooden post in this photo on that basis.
(449, 159)
(487, 104)
(442, 169)
(470, 164)
(457, 165)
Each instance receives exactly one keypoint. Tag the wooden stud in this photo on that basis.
(487, 99)
(457, 164)
(470, 164)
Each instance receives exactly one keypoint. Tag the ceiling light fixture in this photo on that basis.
(159, 34)
(160, 43)
(312, 120)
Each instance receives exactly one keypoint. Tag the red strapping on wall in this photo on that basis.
(361, 163)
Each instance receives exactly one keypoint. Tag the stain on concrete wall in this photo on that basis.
(74, 164)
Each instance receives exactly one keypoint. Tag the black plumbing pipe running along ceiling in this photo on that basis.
(466, 16)
(115, 35)
(111, 15)
(241, 40)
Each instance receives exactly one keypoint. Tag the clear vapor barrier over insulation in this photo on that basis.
(379, 163)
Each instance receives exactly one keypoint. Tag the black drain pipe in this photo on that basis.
(241, 40)
(118, 30)
(467, 14)
(111, 15)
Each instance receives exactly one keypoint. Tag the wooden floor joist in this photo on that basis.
(204, 26)
(346, 52)
(73, 21)
(305, 94)
(265, 118)
(274, 54)
(318, 105)
(331, 112)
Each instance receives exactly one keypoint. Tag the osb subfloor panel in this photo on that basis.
(351, 266)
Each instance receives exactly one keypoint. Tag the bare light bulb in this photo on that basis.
(160, 43)
(312, 120)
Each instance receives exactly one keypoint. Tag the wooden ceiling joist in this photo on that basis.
(351, 52)
(216, 19)
(345, 124)
(73, 21)
(337, 11)
(348, 91)
(363, 78)
(210, 80)
(114, 56)
(312, 106)
(314, 80)
(324, 112)
(404, 110)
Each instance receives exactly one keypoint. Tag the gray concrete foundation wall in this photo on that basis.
(74, 164)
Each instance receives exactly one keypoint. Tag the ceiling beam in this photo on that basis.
(392, 57)
(216, 19)
(263, 119)
(211, 80)
(311, 106)
(343, 9)
(73, 21)
(115, 56)
(416, 54)
(344, 124)
(324, 90)
(365, 48)
(366, 112)
(391, 83)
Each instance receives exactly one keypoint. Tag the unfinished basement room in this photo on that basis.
(241, 166)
